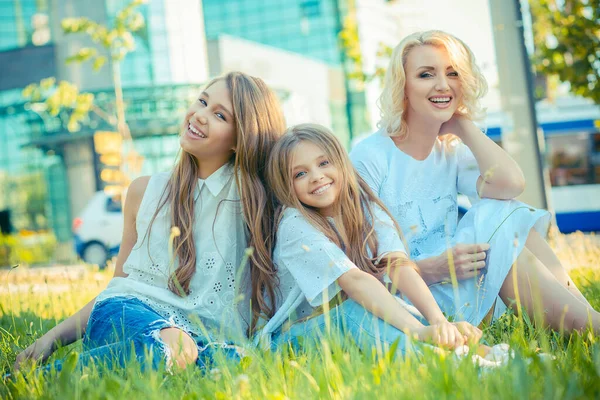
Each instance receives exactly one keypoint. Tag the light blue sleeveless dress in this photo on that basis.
(422, 196)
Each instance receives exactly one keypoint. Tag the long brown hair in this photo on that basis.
(259, 122)
(355, 233)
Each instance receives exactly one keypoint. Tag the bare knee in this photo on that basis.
(181, 348)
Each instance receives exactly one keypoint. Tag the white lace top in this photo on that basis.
(216, 297)
(309, 264)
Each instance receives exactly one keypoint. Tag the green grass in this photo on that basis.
(32, 301)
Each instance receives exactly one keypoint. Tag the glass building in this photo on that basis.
(16, 25)
(306, 27)
(32, 181)
(47, 174)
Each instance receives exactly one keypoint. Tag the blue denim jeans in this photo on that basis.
(347, 319)
(124, 328)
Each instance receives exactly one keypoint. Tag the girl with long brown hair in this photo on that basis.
(181, 287)
(334, 236)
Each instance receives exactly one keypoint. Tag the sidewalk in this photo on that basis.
(53, 278)
(575, 250)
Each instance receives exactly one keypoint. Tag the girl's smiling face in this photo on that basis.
(316, 180)
(433, 88)
(208, 131)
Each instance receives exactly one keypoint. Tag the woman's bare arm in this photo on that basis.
(501, 177)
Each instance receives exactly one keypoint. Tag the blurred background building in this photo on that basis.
(47, 174)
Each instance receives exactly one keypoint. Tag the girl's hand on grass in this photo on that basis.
(443, 334)
(471, 333)
(39, 350)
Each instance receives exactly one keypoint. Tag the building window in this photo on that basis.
(574, 159)
(310, 8)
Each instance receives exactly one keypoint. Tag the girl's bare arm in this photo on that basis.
(369, 292)
(72, 328)
(405, 277)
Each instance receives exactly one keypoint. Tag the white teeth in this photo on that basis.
(322, 189)
(440, 99)
(196, 131)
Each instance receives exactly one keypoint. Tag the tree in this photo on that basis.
(350, 43)
(567, 43)
(355, 74)
(65, 97)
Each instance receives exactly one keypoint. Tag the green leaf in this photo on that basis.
(68, 367)
(82, 55)
(47, 83)
(391, 354)
(566, 34)
(73, 125)
(98, 62)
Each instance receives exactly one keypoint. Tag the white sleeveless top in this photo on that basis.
(218, 298)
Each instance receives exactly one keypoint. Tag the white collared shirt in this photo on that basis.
(217, 298)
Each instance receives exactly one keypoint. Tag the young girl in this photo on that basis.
(432, 89)
(176, 305)
(334, 235)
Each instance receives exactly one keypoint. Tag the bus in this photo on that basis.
(571, 130)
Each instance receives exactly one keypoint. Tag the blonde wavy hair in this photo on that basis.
(259, 122)
(392, 101)
(355, 233)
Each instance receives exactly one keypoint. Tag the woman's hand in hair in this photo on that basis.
(465, 259)
(459, 126)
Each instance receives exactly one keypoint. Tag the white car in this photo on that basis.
(98, 229)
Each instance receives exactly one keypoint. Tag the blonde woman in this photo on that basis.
(427, 151)
(335, 241)
(180, 307)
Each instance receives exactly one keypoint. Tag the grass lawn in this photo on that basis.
(34, 300)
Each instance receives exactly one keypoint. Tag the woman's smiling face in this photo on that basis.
(433, 89)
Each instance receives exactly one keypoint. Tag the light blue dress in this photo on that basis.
(422, 196)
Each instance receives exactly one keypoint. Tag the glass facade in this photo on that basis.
(16, 21)
(307, 27)
(158, 59)
(160, 80)
(34, 167)
(33, 184)
(137, 68)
